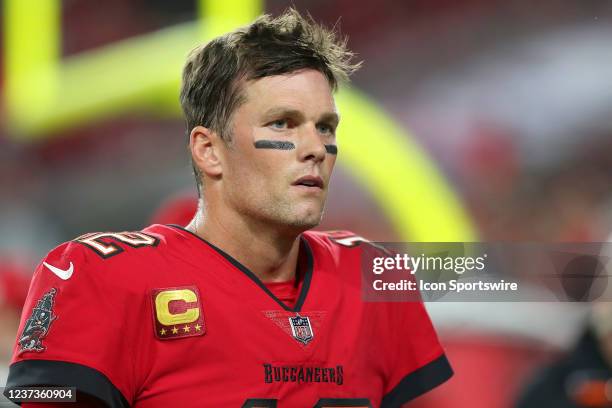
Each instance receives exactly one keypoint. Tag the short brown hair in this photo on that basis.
(211, 91)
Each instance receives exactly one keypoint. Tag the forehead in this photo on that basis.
(306, 90)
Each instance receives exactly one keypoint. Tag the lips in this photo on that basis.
(309, 181)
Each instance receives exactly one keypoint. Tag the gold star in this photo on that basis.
(186, 328)
(197, 327)
(163, 331)
(174, 330)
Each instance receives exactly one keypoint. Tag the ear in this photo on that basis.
(205, 146)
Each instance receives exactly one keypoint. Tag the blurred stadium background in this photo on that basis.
(470, 120)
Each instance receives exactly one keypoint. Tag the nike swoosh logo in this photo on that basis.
(64, 274)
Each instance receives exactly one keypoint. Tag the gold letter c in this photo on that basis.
(162, 303)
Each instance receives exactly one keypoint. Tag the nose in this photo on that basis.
(312, 145)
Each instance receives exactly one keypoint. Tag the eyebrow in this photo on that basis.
(327, 117)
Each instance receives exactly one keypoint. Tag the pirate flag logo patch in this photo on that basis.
(37, 325)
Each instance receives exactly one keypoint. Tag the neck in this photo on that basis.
(270, 254)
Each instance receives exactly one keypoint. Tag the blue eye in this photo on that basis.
(278, 124)
(325, 129)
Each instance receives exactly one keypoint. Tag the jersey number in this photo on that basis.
(349, 241)
(322, 403)
(101, 242)
(353, 241)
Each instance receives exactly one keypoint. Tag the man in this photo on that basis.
(244, 307)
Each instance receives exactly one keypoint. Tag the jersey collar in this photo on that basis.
(305, 250)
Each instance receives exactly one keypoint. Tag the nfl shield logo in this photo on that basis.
(301, 329)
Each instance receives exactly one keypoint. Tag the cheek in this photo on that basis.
(271, 163)
(257, 172)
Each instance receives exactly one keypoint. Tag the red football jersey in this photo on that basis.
(161, 318)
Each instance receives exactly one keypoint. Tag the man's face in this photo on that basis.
(286, 187)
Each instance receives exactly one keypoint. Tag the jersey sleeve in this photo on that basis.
(416, 362)
(74, 330)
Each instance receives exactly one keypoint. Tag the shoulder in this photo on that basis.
(334, 238)
(109, 244)
(105, 257)
(343, 250)
(340, 241)
(97, 247)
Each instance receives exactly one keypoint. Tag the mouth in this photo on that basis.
(310, 182)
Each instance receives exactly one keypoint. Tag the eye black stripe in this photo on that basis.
(284, 145)
(331, 149)
(274, 144)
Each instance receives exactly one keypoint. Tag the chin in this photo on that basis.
(311, 221)
(297, 218)
(304, 222)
